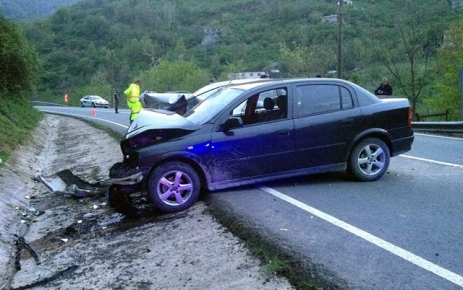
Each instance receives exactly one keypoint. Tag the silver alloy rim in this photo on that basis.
(175, 188)
(371, 159)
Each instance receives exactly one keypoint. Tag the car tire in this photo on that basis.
(173, 186)
(82, 104)
(369, 160)
(93, 105)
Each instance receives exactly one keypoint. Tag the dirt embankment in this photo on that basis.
(68, 242)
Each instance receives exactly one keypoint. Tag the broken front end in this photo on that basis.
(143, 147)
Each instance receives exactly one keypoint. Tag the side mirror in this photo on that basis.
(231, 123)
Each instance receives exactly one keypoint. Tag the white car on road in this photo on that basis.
(93, 101)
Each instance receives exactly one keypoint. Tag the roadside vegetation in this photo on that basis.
(17, 68)
(95, 47)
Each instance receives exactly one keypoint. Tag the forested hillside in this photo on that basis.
(178, 45)
(31, 9)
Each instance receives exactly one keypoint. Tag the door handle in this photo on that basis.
(284, 132)
(347, 121)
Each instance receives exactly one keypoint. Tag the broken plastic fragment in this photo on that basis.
(66, 182)
(65, 240)
(79, 221)
(27, 197)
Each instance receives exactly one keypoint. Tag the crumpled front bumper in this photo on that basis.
(123, 175)
(128, 180)
(124, 181)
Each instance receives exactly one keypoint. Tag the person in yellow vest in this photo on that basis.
(133, 99)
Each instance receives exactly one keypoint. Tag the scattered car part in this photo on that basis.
(20, 243)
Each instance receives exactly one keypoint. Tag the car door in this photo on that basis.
(86, 101)
(255, 149)
(325, 123)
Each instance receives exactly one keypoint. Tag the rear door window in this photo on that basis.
(318, 99)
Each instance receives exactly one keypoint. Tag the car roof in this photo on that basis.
(215, 85)
(250, 85)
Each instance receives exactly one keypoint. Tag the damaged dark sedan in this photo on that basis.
(257, 132)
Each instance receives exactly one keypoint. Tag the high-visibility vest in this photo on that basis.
(133, 100)
(133, 91)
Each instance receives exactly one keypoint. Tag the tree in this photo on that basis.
(18, 60)
(406, 53)
(449, 61)
(174, 76)
(306, 61)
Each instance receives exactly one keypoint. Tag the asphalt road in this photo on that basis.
(404, 231)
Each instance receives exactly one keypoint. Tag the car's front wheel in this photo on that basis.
(369, 159)
(82, 104)
(173, 186)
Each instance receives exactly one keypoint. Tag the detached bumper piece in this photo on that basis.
(68, 183)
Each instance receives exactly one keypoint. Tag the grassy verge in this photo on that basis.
(276, 258)
(17, 119)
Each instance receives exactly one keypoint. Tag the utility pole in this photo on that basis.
(340, 21)
(460, 82)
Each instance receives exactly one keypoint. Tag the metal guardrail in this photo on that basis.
(444, 114)
(438, 127)
(40, 103)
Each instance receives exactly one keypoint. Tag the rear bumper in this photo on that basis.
(402, 145)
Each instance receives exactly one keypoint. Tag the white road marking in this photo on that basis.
(432, 161)
(440, 136)
(87, 117)
(406, 255)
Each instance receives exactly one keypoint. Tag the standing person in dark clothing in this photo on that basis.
(384, 88)
(117, 97)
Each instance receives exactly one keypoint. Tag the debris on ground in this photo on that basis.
(68, 183)
(71, 239)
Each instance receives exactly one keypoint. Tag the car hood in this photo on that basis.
(152, 119)
(161, 100)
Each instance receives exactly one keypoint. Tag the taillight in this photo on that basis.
(409, 117)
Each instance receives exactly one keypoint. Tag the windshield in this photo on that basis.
(204, 93)
(211, 106)
(209, 87)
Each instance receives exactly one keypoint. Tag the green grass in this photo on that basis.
(276, 260)
(17, 120)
